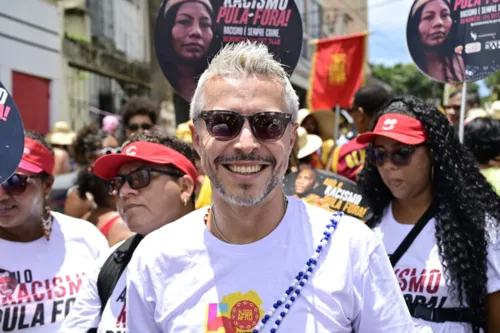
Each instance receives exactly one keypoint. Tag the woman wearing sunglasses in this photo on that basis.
(437, 216)
(45, 255)
(153, 181)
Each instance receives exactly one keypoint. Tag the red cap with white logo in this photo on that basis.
(398, 127)
(36, 158)
(107, 166)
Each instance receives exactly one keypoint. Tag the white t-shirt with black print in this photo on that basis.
(39, 280)
(183, 279)
(420, 272)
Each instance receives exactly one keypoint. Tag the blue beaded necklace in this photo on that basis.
(300, 280)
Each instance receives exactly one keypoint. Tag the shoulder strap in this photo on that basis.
(405, 244)
(113, 268)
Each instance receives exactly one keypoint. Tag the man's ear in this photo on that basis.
(195, 137)
(293, 137)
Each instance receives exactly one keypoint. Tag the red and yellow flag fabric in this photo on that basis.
(337, 71)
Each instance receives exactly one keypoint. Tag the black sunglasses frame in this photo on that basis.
(113, 189)
(207, 116)
(372, 155)
(136, 127)
(107, 151)
(19, 189)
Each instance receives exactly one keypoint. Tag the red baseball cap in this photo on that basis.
(107, 166)
(36, 157)
(398, 127)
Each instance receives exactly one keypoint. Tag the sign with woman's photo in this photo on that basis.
(189, 33)
(11, 135)
(455, 40)
(329, 191)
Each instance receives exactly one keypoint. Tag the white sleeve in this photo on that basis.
(493, 267)
(383, 308)
(86, 311)
(140, 304)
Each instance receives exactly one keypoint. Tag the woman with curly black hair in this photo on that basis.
(424, 185)
(103, 213)
(91, 143)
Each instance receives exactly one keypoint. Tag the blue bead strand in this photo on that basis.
(300, 280)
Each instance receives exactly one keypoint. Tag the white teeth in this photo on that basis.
(3, 207)
(245, 169)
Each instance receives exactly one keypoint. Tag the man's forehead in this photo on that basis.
(260, 93)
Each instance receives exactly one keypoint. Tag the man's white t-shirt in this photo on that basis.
(183, 279)
(420, 272)
(86, 312)
(39, 280)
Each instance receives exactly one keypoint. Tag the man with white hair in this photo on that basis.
(257, 260)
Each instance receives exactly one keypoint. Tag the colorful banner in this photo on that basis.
(189, 33)
(11, 135)
(337, 71)
(329, 191)
(453, 41)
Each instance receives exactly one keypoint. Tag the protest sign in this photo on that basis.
(329, 191)
(189, 33)
(455, 41)
(11, 135)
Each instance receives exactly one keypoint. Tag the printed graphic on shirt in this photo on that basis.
(26, 302)
(236, 313)
(8, 282)
(422, 287)
(121, 321)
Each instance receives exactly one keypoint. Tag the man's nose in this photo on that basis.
(246, 141)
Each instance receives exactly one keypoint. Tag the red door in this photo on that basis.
(32, 97)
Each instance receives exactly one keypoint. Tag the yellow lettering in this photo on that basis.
(336, 69)
(330, 182)
(349, 161)
(245, 315)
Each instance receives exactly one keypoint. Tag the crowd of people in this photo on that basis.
(121, 228)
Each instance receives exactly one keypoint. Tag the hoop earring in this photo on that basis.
(47, 221)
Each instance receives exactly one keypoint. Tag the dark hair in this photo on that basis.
(88, 182)
(463, 200)
(88, 141)
(169, 59)
(371, 98)
(139, 105)
(473, 99)
(446, 51)
(168, 141)
(482, 137)
(41, 140)
(455, 93)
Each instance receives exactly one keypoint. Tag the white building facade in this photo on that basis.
(30, 61)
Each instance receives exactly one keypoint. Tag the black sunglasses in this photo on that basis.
(226, 125)
(137, 179)
(400, 157)
(135, 127)
(16, 184)
(107, 151)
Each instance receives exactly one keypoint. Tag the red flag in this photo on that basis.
(337, 71)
